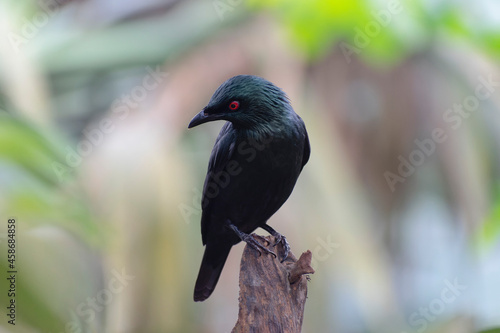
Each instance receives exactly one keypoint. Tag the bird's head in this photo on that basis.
(247, 101)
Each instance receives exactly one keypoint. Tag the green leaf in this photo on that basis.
(491, 330)
(25, 147)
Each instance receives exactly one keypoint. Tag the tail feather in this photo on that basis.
(212, 263)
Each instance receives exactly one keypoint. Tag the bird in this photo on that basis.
(253, 168)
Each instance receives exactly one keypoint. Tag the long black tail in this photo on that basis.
(211, 266)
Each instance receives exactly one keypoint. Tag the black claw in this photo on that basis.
(265, 249)
(279, 239)
(286, 247)
(254, 244)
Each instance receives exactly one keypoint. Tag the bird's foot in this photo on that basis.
(279, 239)
(254, 244)
(286, 247)
(251, 241)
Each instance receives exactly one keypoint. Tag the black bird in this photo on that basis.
(254, 166)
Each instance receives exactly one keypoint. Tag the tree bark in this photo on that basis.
(272, 294)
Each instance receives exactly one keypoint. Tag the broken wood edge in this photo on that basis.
(301, 267)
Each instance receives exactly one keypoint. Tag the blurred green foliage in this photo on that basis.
(41, 183)
(489, 231)
(24, 147)
(492, 330)
(392, 29)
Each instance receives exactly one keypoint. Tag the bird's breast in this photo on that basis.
(257, 179)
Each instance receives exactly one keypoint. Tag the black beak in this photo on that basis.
(202, 118)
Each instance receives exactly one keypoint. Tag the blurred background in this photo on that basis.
(399, 203)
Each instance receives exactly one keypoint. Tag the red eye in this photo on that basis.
(234, 105)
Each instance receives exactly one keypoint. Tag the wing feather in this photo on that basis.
(307, 150)
(221, 155)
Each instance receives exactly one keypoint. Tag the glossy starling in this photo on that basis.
(254, 165)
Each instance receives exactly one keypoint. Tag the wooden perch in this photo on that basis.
(272, 294)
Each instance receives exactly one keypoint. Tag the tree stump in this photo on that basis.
(272, 294)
